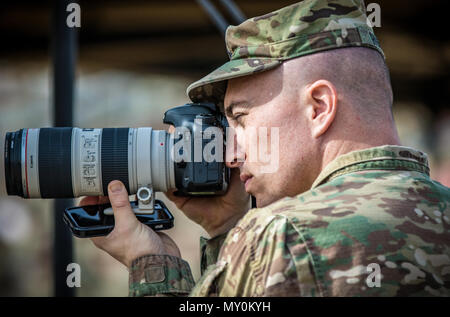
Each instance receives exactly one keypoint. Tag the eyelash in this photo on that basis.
(237, 116)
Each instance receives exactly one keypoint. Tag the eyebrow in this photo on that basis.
(232, 105)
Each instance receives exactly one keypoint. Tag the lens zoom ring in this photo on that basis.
(55, 172)
(114, 157)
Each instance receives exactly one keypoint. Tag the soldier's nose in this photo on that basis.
(233, 164)
(235, 155)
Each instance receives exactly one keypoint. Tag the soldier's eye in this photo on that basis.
(236, 117)
(239, 119)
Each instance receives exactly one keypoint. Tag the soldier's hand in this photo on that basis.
(216, 214)
(130, 238)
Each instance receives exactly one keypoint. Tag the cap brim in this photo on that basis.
(211, 88)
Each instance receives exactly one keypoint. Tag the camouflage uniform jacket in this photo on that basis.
(373, 224)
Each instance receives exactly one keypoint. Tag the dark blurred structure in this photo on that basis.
(177, 36)
(120, 41)
(64, 53)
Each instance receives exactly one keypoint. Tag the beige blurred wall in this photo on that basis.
(107, 98)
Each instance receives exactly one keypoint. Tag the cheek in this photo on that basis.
(240, 137)
(294, 147)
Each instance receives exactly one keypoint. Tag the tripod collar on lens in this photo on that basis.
(146, 200)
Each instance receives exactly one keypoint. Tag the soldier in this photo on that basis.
(349, 212)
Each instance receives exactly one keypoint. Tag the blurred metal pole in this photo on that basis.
(64, 48)
(222, 25)
(235, 12)
(215, 15)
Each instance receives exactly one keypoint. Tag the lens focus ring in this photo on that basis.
(114, 157)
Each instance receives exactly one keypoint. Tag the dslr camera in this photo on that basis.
(73, 162)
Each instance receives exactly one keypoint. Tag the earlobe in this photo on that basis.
(323, 99)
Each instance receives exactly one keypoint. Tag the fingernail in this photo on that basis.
(115, 187)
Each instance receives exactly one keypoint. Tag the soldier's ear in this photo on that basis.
(322, 98)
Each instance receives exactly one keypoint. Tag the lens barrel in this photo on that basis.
(74, 162)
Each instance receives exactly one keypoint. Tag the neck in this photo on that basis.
(336, 148)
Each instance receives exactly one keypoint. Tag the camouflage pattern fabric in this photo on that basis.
(372, 207)
(264, 42)
(209, 250)
(160, 275)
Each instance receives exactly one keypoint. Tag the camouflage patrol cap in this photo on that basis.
(304, 28)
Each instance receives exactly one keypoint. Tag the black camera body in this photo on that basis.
(199, 178)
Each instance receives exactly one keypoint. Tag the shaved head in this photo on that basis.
(360, 75)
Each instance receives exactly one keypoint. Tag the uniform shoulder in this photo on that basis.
(257, 219)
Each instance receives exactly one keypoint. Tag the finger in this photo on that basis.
(171, 129)
(103, 200)
(90, 200)
(179, 201)
(118, 197)
(169, 194)
(93, 200)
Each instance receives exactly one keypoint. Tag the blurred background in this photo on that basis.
(134, 61)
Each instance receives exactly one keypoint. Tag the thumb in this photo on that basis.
(118, 197)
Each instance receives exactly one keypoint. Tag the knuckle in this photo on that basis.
(121, 203)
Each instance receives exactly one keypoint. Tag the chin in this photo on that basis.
(264, 201)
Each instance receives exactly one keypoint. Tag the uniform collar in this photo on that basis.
(387, 157)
